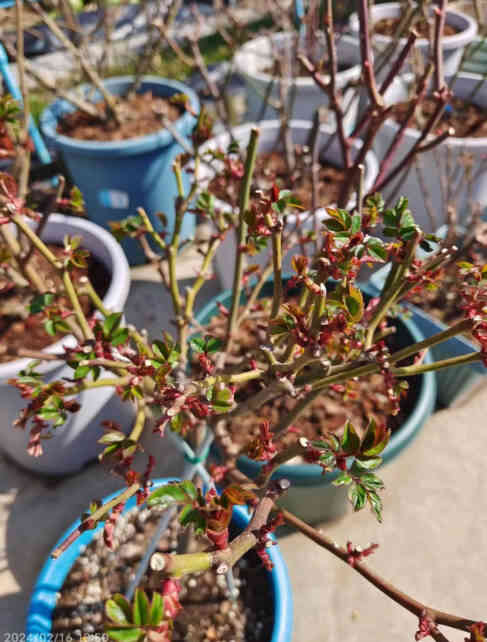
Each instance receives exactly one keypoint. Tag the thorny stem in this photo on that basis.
(73, 297)
(91, 521)
(277, 266)
(242, 233)
(403, 599)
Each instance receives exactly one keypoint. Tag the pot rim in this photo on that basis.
(126, 147)
(312, 474)
(452, 141)
(115, 297)
(390, 9)
(301, 82)
(54, 572)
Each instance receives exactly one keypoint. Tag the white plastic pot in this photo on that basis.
(256, 56)
(452, 46)
(443, 166)
(269, 134)
(74, 443)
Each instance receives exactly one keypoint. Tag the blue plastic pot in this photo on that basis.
(312, 496)
(117, 177)
(54, 572)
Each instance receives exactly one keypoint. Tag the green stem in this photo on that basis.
(100, 383)
(139, 423)
(277, 267)
(36, 241)
(256, 292)
(80, 315)
(157, 238)
(27, 270)
(409, 371)
(242, 232)
(94, 518)
(452, 331)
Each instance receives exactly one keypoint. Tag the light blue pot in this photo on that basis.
(54, 573)
(117, 177)
(311, 496)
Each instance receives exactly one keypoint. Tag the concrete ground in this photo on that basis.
(433, 542)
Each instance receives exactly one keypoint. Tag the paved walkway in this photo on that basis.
(433, 542)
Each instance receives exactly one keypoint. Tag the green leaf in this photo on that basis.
(354, 302)
(371, 482)
(350, 440)
(112, 437)
(117, 609)
(376, 249)
(40, 301)
(408, 233)
(375, 440)
(198, 344)
(50, 327)
(119, 336)
(343, 479)
(167, 495)
(356, 223)
(376, 504)
(190, 515)
(81, 372)
(156, 609)
(189, 488)
(141, 608)
(334, 225)
(368, 464)
(357, 496)
(126, 635)
(213, 344)
(111, 323)
(328, 460)
(352, 306)
(407, 220)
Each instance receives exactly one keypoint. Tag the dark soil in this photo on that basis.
(140, 113)
(465, 117)
(389, 26)
(208, 614)
(271, 168)
(18, 329)
(363, 399)
(300, 70)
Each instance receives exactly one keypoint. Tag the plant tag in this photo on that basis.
(114, 198)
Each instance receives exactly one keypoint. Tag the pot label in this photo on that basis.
(114, 198)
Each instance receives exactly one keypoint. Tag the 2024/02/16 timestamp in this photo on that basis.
(53, 637)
